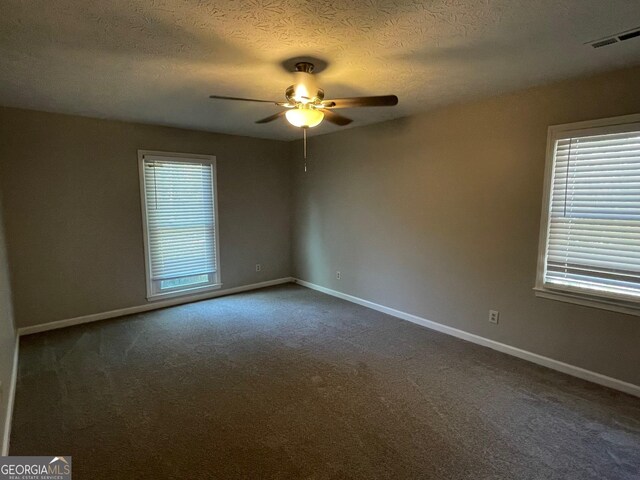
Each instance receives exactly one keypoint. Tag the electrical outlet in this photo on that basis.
(258, 267)
(338, 275)
(494, 316)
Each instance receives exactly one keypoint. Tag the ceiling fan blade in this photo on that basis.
(271, 118)
(378, 101)
(220, 97)
(333, 117)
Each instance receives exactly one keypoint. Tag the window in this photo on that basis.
(180, 223)
(590, 237)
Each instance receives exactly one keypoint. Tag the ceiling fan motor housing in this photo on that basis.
(292, 96)
(305, 89)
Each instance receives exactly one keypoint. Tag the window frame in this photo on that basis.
(567, 293)
(175, 156)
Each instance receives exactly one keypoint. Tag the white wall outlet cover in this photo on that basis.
(494, 316)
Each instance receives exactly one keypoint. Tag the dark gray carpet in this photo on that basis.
(290, 383)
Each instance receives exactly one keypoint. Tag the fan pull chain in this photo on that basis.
(304, 136)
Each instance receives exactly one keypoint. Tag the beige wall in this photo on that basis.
(72, 210)
(438, 215)
(7, 333)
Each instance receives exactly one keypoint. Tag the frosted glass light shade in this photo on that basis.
(304, 117)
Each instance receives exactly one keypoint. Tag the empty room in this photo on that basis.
(277, 239)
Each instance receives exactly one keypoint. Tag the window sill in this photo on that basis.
(184, 293)
(620, 306)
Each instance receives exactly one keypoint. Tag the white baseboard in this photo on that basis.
(501, 347)
(11, 396)
(94, 317)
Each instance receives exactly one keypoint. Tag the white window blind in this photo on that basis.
(593, 230)
(180, 220)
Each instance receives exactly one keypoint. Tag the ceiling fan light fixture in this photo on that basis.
(304, 117)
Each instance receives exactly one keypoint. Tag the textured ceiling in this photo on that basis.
(156, 61)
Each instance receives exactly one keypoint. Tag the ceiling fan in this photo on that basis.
(305, 106)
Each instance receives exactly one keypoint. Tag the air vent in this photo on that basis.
(618, 37)
(604, 43)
